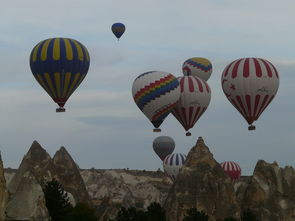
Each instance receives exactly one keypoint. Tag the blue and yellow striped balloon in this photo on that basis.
(59, 65)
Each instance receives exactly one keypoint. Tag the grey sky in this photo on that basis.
(103, 128)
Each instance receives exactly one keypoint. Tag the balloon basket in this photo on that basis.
(60, 109)
(188, 134)
(157, 130)
(251, 127)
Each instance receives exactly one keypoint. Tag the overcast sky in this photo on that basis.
(102, 126)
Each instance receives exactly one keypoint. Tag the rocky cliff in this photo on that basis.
(3, 191)
(110, 189)
(202, 184)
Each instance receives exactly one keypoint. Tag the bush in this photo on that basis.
(194, 215)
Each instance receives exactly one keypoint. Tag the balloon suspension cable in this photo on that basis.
(157, 130)
(188, 134)
(60, 109)
(251, 127)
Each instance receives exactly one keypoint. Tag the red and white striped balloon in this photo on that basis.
(195, 95)
(232, 169)
(250, 84)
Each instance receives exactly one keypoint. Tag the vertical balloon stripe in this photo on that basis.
(207, 87)
(200, 86)
(257, 99)
(190, 84)
(66, 84)
(69, 50)
(177, 160)
(246, 71)
(275, 70)
(263, 105)
(226, 70)
(183, 113)
(269, 72)
(73, 84)
(236, 106)
(57, 83)
(181, 84)
(44, 50)
(79, 50)
(86, 53)
(235, 69)
(248, 102)
(257, 67)
(190, 115)
(42, 83)
(35, 50)
(241, 105)
(56, 49)
(196, 116)
(49, 82)
(171, 159)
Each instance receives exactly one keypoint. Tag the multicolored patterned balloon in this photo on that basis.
(250, 84)
(194, 99)
(199, 67)
(163, 146)
(156, 94)
(232, 169)
(59, 65)
(172, 163)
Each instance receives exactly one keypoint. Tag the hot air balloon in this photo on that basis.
(118, 29)
(250, 84)
(156, 94)
(194, 99)
(232, 169)
(59, 65)
(199, 67)
(163, 146)
(172, 163)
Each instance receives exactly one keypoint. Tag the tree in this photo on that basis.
(248, 215)
(155, 212)
(130, 214)
(194, 215)
(57, 200)
(81, 212)
(230, 219)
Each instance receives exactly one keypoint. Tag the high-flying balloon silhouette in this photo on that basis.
(163, 146)
(118, 29)
(232, 169)
(250, 84)
(199, 67)
(172, 163)
(156, 94)
(59, 65)
(194, 99)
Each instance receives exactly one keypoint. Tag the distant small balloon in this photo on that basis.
(163, 146)
(118, 29)
(199, 67)
(172, 163)
(232, 169)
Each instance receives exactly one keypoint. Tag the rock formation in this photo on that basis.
(110, 189)
(3, 191)
(28, 201)
(69, 175)
(202, 183)
(270, 194)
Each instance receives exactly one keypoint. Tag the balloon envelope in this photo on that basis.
(172, 163)
(232, 169)
(163, 146)
(194, 99)
(156, 94)
(199, 67)
(59, 65)
(250, 84)
(118, 29)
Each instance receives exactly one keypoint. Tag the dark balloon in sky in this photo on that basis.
(118, 29)
(163, 146)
